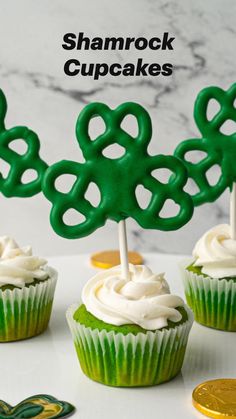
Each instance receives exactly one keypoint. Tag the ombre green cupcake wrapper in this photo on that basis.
(212, 300)
(130, 360)
(26, 312)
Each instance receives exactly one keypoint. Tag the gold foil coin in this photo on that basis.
(216, 398)
(110, 258)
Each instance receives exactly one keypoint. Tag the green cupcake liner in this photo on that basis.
(212, 300)
(26, 312)
(130, 360)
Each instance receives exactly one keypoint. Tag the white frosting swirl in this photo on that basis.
(144, 299)
(17, 265)
(215, 252)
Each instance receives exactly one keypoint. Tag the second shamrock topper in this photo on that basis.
(117, 179)
(218, 145)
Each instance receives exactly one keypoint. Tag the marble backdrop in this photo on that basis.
(42, 97)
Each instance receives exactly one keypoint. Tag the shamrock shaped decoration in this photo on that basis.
(41, 406)
(116, 179)
(13, 184)
(220, 149)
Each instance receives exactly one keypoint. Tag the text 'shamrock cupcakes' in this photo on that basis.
(27, 288)
(130, 332)
(210, 279)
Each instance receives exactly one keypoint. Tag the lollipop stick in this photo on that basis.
(233, 212)
(123, 250)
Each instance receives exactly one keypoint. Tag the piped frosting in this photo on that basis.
(215, 252)
(18, 266)
(144, 299)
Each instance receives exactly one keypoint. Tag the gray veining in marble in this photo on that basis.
(42, 97)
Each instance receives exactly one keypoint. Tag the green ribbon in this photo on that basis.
(116, 179)
(39, 406)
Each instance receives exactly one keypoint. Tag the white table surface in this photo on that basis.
(48, 363)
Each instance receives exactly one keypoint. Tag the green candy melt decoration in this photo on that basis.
(41, 406)
(218, 146)
(12, 184)
(116, 179)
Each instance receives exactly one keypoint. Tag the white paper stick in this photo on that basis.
(233, 212)
(123, 250)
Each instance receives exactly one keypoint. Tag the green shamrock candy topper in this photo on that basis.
(41, 406)
(220, 149)
(116, 179)
(13, 184)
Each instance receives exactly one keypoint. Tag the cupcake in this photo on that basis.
(27, 288)
(130, 332)
(210, 279)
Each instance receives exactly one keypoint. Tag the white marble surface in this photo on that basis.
(42, 97)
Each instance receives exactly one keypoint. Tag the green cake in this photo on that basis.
(85, 318)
